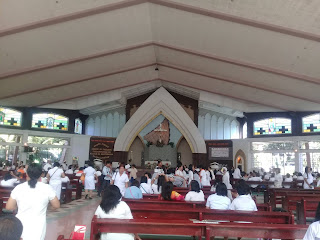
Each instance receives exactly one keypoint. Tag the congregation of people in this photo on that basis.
(44, 184)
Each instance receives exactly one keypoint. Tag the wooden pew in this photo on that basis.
(5, 194)
(147, 226)
(162, 204)
(266, 231)
(76, 187)
(306, 208)
(210, 214)
(289, 201)
(66, 193)
(156, 203)
(276, 194)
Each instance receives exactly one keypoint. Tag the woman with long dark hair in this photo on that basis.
(32, 198)
(111, 206)
(156, 188)
(313, 232)
(308, 178)
(220, 199)
(195, 193)
(168, 193)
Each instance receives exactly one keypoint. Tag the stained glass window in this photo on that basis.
(10, 117)
(311, 123)
(78, 126)
(50, 121)
(272, 126)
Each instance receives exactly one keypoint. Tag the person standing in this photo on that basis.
(32, 198)
(89, 183)
(133, 172)
(54, 178)
(105, 178)
(120, 179)
(308, 178)
(237, 173)
(278, 179)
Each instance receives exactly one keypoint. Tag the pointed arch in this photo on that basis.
(160, 102)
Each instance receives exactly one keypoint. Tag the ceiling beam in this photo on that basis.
(166, 3)
(81, 80)
(230, 80)
(73, 60)
(70, 17)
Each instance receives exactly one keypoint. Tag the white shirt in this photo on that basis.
(226, 180)
(154, 188)
(55, 174)
(254, 179)
(32, 208)
(69, 171)
(309, 178)
(47, 166)
(313, 232)
(98, 173)
(90, 172)
(121, 211)
(190, 176)
(299, 178)
(179, 173)
(204, 178)
(120, 181)
(288, 180)
(237, 174)
(9, 183)
(278, 179)
(215, 201)
(244, 203)
(145, 188)
(194, 196)
(318, 183)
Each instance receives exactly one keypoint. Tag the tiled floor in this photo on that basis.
(63, 220)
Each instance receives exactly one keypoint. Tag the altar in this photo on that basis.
(153, 164)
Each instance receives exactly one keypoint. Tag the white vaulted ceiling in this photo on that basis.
(248, 55)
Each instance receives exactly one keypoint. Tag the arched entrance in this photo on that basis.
(240, 160)
(160, 102)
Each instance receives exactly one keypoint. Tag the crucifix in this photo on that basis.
(160, 130)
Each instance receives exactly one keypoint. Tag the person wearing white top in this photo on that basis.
(191, 172)
(220, 199)
(144, 186)
(256, 179)
(9, 180)
(244, 201)
(120, 179)
(157, 188)
(54, 177)
(69, 171)
(111, 206)
(90, 176)
(47, 166)
(288, 179)
(237, 173)
(32, 198)
(313, 232)
(205, 181)
(179, 176)
(278, 179)
(195, 195)
(308, 179)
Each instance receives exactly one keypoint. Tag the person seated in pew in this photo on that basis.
(300, 178)
(156, 187)
(220, 199)
(313, 232)
(288, 179)
(133, 192)
(9, 180)
(10, 227)
(69, 171)
(148, 176)
(196, 175)
(244, 200)
(21, 171)
(79, 173)
(168, 193)
(76, 169)
(195, 194)
(295, 175)
(111, 206)
(144, 186)
(31, 199)
(255, 178)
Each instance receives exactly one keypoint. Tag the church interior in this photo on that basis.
(211, 85)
